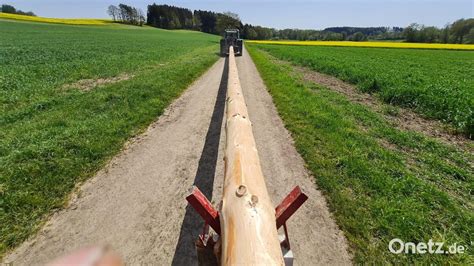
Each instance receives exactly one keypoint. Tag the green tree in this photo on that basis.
(445, 34)
(431, 34)
(470, 36)
(8, 9)
(232, 15)
(226, 22)
(251, 34)
(410, 33)
(460, 28)
(12, 10)
(175, 23)
(113, 11)
(358, 37)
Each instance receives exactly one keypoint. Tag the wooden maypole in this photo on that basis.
(247, 216)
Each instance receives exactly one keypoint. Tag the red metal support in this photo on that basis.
(286, 209)
(205, 209)
(289, 205)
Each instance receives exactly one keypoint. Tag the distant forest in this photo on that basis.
(171, 17)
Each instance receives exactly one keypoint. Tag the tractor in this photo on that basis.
(231, 37)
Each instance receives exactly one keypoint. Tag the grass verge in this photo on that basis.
(381, 183)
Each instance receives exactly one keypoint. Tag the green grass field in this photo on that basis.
(437, 84)
(381, 182)
(52, 137)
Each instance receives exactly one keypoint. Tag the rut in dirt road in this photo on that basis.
(137, 203)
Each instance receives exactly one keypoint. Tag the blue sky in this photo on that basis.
(307, 14)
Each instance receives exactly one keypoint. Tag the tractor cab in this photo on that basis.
(231, 37)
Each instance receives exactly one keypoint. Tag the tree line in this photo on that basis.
(172, 17)
(460, 31)
(12, 10)
(328, 34)
(126, 14)
(364, 33)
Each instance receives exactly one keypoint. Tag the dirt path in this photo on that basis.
(136, 204)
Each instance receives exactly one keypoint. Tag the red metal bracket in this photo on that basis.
(205, 209)
(287, 208)
(289, 205)
(283, 211)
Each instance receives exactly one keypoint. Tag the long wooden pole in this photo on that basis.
(247, 216)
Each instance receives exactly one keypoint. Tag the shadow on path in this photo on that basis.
(185, 252)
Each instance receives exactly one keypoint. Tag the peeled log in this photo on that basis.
(247, 216)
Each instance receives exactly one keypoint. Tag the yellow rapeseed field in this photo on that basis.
(374, 44)
(56, 20)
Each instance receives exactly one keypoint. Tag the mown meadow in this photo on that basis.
(53, 135)
(436, 83)
(381, 182)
